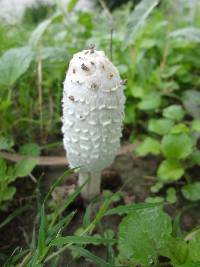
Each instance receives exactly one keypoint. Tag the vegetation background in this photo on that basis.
(147, 214)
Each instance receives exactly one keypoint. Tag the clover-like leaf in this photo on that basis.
(170, 170)
(177, 146)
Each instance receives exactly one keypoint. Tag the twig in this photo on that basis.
(59, 161)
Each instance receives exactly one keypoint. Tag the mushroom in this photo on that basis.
(93, 111)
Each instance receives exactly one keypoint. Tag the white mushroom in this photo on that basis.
(93, 110)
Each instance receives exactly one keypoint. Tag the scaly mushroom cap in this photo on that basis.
(93, 110)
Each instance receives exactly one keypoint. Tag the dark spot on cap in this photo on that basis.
(71, 97)
(84, 67)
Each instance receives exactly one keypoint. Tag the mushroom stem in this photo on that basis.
(93, 186)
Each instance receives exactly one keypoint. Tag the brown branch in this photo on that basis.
(58, 161)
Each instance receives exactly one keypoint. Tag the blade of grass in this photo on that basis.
(87, 254)
(57, 182)
(13, 215)
(132, 207)
(60, 241)
(42, 232)
(59, 226)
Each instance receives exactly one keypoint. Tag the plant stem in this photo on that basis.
(40, 100)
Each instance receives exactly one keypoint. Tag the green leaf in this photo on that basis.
(194, 245)
(24, 167)
(149, 145)
(171, 195)
(88, 255)
(179, 128)
(137, 19)
(30, 149)
(40, 30)
(13, 215)
(129, 113)
(189, 264)
(191, 191)
(71, 5)
(177, 146)
(154, 199)
(5, 143)
(150, 102)
(196, 125)
(195, 158)
(137, 91)
(160, 126)
(42, 232)
(132, 207)
(176, 249)
(8, 193)
(3, 169)
(14, 63)
(174, 112)
(142, 234)
(60, 241)
(170, 170)
(190, 34)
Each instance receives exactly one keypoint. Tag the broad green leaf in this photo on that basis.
(53, 54)
(137, 91)
(5, 143)
(8, 193)
(191, 191)
(177, 146)
(142, 234)
(160, 126)
(60, 241)
(196, 125)
(150, 102)
(24, 167)
(40, 30)
(174, 112)
(14, 63)
(190, 34)
(194, 245)
(30, 149)
(137, 19)
(149, 145)
(195, 158)
(179, 128)
(169, 171)
(176, 249)
(125, 209)
(190, 264)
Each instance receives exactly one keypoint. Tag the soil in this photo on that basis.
(130, 175)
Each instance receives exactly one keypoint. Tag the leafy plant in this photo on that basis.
(146, 235)
(9, 173)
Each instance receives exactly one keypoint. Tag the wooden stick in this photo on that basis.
(58, 161)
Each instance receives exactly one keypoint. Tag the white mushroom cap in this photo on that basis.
(93, 110)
